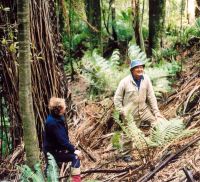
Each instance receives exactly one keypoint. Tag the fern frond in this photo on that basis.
(52, 170)
(166, 131)
(134, 52)
(28, 175)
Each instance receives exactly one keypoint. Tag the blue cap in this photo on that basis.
(135, 63)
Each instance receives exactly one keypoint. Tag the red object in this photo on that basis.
(76, 178)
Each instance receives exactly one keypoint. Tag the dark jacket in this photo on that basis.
(56, 135)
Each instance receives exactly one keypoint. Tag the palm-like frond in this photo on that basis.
(134, 52)
(103, 75)
(131, 130)
(166, 131)
(52, 171)
(28, 175)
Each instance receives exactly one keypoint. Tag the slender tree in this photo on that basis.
(137, 23)
(113, 12)
(25, 89)
(93, 12)
(156, 24)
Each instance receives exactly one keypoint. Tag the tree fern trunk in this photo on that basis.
(93, 12)
(25, 89)
(137, 24)
(156, 23)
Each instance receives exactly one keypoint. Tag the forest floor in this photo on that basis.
(94, 127)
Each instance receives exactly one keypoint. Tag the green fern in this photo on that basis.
(28, 175)
(116, 140)
(134, 52)
(131, 130)
(163, 133)
(166, 131)
(52, 171)
(103, 75)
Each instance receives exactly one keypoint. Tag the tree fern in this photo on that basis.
(131, 130)
(134, 52)
(28, 175)
(52, 170)
(103, 75)
(166, 131)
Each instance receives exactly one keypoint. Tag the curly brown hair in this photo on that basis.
(56, 104)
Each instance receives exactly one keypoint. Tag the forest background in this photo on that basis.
(80, 50)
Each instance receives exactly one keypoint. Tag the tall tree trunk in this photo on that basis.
(25, 89)
(156, 24)
(93, 12)
(137, 24)
(197, 9)
(114, 33)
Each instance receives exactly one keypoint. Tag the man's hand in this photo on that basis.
(79, 154)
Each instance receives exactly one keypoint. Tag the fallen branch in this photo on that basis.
(188, 175)
(135, 168)
(149, 175)
(87, 153)
(188, 122)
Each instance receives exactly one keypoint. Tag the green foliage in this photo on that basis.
(145, 32)
(131, 130)
(116, 140)
(166, 131)
(123, 26)
(161, 74)
(165, 54)
(163, 133)
(79, 36)
(134, 52)
(188, 32)
(103, 75)
(52, 170)
(27, 174)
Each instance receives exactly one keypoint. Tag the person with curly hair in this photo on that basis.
(56, 139)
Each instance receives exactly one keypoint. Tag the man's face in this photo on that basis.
(138, 71)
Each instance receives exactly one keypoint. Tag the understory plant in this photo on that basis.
(104, 75)
(27, 174)
(161, 134)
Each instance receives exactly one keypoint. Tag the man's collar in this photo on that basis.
(141, 78)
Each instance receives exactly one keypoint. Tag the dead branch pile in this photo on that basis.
(185, 101)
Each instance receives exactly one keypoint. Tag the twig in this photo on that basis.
(189, 96)
(166, 161)
(188, 175)
(135, 168)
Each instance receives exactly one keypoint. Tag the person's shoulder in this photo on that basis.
(50, 120)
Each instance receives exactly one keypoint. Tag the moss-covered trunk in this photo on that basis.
(137, 24)
(93, 12)
(156, 24)
(25, 89)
